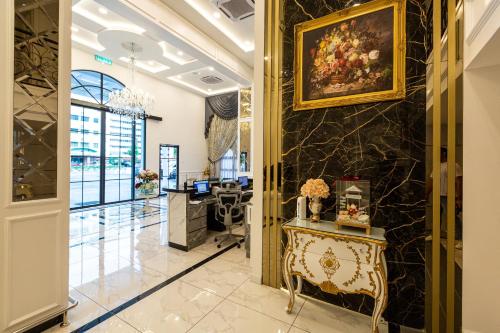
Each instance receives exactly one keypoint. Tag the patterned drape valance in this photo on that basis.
(224, 106)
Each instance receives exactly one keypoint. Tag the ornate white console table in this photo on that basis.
(338, 261)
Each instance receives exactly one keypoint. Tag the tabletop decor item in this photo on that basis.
(315, 190)
(147, 183)
(353, 204)
(352, 56)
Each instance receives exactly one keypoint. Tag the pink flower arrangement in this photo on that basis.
(315, 188)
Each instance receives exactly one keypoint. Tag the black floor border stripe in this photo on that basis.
(147, 293)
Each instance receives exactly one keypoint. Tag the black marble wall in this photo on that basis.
(383, 142)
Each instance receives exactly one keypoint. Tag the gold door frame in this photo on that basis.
(271, 235)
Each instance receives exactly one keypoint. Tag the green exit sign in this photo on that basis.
(104, 60)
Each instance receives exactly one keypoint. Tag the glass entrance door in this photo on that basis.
(169, 167)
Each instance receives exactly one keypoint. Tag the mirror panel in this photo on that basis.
(35, 100)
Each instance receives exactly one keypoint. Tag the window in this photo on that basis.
(98, 175)
(228, 165)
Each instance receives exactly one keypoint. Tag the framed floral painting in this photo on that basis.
(353, 56)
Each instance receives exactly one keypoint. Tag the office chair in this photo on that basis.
(229, 184)
(229, 212)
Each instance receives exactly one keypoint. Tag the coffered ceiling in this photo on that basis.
(108, 28)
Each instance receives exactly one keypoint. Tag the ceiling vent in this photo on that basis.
(236, 10)
(210, 79)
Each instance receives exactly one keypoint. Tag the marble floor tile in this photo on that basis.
(218, 276)
(93, 269)
(135, 247)
(236, 255)
(175, 308)
(294, 329)
(231, 317)
(316, 316)
(82, 252)
(113, 325)
(173, 261)
(267, 300)
(86, 311)
(115, 289)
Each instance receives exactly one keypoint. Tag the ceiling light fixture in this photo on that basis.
(180, 53)
(211, 69)
(131, 102)
(151, 63)
(217, 15)
(179, 77)
(103, 11)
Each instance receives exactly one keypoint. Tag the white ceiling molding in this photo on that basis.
(216, 21)
(164, 24)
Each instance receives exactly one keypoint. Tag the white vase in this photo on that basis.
(315, 208)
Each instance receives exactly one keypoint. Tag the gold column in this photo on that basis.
(271, 271)
(450, 216)
(436, 147)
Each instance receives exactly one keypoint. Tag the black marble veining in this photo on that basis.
(383, 142)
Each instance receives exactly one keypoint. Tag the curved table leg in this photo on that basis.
(287, 276)
(382, 295)
(299, 285)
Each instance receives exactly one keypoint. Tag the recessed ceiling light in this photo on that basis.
(180, 53)
(75, 29)
(210, 68)
(151, 63)
(209, 89)
(217, 15)
(266, 58)
(179, 77)
(103, 10)
(355, 5)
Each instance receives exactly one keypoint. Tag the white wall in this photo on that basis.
(481, 231)
(258, 145)
(481, 126)
(183, 114)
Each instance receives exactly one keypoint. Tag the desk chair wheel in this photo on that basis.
(218, 245)
(239, 246)
(215, 239)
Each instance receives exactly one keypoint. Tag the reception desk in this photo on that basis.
(190, 217)
(187, 219)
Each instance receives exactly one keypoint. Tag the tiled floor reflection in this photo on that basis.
(118, 252)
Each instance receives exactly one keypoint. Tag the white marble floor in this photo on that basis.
(117, 255)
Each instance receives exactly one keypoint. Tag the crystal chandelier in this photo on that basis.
(131, 102)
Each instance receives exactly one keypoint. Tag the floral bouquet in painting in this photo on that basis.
(351, 56)
(147, 181)
(315, 190)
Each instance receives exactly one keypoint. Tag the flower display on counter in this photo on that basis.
(315, 188)
(146, 180)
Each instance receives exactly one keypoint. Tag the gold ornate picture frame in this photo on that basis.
(353, 56)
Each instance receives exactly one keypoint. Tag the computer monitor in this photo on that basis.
(201, 187)
(243, 180)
